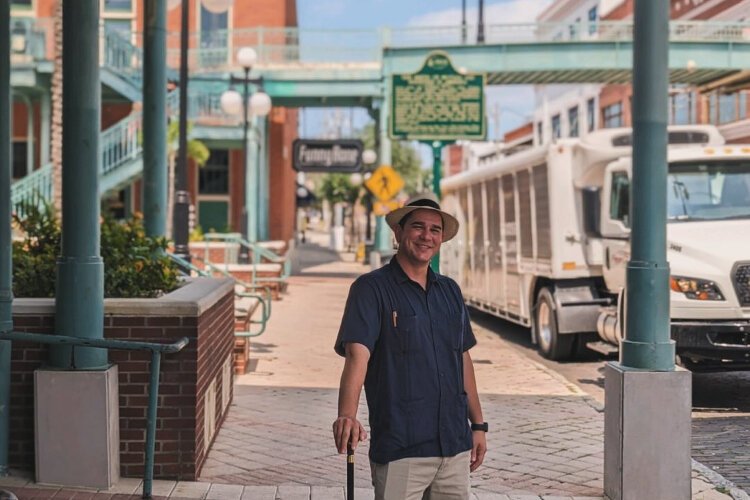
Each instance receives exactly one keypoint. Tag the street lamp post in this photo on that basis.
(369, 157)
(480, 23)
(181, 212)
(257, 105)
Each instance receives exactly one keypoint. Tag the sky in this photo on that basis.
(507, 106)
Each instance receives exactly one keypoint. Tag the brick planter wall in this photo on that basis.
(195, 385)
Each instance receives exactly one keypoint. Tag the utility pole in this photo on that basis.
(480, 24)
(463, 22)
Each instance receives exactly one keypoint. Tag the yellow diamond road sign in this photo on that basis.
(384, 207)
(385, 183)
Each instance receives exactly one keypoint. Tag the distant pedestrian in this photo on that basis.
(405, 334)
(303, 227)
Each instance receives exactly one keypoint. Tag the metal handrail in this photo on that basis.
(265, 302)
(120, 144)
(32, 189)
(153, 389)
(259, 252)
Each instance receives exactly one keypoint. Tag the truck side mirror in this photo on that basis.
(591, 211)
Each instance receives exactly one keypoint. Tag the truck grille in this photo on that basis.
(742, 283)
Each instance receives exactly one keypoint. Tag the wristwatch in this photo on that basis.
(480, 427)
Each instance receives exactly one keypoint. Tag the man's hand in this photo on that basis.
(348, 430)
(478, 449)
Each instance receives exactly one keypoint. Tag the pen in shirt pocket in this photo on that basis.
(395, 319)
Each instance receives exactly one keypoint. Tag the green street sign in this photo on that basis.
(437, 103)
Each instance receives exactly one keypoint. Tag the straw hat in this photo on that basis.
(424, 201)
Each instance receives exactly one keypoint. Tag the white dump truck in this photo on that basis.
(544, 242)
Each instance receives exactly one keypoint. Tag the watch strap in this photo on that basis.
(480, 427)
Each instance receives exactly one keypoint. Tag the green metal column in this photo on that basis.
(437, 167)
(647, 343)
(45, 127)
(80, 272)
(264, 171)
(382, 231)
(251, 181)
(437, 175)
(6, 267)
(155, 117)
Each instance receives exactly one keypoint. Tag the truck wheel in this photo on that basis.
(551, 344)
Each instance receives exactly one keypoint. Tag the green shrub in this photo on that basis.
(134, 264)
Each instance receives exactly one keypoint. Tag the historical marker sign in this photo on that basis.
(315, 155)
(437, 103)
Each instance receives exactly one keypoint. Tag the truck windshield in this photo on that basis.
(705, 190)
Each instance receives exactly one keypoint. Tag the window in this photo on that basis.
(556, 131)
(592, 20)
(20, 158)
(573, 28)
(612, 115)
(573, 122)
(619, 203)
(214, 37)
(21, 4)
(725, 108)
(214, 175)
(708, 190)
(681, 108)
(591, 114)
(540, 132)
(122, 27)
(118, 5)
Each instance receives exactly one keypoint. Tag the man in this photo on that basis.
(405, 335)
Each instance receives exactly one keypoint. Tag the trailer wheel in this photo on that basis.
(551, 344)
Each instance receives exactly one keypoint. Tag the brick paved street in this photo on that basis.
(545, 439)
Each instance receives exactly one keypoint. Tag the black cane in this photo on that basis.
(349, 473)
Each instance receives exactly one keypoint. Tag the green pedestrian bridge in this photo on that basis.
(307, 68)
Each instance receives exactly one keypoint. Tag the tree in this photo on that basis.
(338, 188)
(405, 161)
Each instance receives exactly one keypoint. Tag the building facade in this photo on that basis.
(217, 188)
(572, 111)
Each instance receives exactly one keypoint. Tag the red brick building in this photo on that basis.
(216, 189)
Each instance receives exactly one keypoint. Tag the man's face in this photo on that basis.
(420, 238)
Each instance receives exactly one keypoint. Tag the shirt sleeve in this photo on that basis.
(361, 320)
(469, 339)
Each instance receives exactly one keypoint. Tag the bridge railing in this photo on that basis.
(215, 50)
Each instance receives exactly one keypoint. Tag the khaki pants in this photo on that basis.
(423, 478)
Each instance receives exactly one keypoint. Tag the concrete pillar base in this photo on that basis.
(647, 434)
(337, 238)
(77, 428)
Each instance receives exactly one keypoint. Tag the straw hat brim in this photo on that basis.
(450, 224)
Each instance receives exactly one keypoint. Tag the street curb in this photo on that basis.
(720, 481)
(712, 476)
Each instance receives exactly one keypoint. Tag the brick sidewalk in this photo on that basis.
(545, 441)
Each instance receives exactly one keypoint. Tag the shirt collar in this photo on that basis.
(401, 276)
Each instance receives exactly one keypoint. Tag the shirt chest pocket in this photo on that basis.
(405, 330)
(452, 331)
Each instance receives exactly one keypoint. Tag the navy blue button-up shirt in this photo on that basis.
(414, 383)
